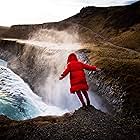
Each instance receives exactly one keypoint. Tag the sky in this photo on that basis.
(42, 11)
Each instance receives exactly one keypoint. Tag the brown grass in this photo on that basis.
(117, 61)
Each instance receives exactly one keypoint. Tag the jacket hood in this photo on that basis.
(72, 57)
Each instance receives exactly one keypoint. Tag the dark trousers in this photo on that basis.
(79, 94)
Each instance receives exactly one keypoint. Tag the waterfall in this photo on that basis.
(58, 44)
(52, 48)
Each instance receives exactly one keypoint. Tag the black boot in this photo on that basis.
(84, 105)
(88, 103)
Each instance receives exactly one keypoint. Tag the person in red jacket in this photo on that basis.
(77, 77)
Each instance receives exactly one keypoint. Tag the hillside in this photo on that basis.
(3, 30)
(119, 25)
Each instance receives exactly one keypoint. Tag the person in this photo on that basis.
(77, 77)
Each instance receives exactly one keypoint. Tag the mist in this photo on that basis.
(59, 44)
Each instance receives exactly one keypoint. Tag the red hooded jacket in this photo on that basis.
(77, 74)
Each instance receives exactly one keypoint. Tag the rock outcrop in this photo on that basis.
(85, 123)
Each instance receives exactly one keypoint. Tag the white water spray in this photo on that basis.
(53, 91)
(59, 44)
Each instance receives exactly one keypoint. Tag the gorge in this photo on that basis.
(37, 53)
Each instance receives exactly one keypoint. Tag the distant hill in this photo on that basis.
(119, 25)
(3, 30)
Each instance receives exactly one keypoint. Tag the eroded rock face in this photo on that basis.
(24, 60)
(121, 95)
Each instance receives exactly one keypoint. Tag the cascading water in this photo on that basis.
(3, 63)
(17, 101)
